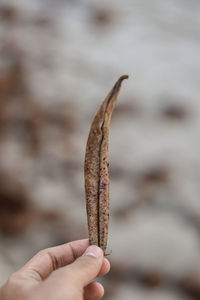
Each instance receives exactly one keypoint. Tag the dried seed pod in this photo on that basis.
(97, 170)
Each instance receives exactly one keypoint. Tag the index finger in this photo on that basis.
(50, 259)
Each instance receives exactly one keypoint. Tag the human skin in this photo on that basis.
(64, 272)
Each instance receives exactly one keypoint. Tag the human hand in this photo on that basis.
(63, 273)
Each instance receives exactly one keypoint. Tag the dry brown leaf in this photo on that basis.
(97, 170)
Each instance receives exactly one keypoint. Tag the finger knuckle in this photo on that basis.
(42, 253)
(13, 279)
(14, 284)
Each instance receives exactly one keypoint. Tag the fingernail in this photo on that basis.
(93, 251)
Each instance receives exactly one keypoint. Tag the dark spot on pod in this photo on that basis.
(103, 185)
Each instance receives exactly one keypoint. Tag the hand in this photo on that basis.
(63, 273)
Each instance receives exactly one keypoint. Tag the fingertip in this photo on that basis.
(107, 264)
(94, 251)
(93, 291)
(105, 268)
(99, 289)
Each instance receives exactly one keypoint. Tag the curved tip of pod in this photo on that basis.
(117, 85)
(123, 77)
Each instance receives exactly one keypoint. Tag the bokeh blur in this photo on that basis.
(58, 60)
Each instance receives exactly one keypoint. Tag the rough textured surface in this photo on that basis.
(96, 170)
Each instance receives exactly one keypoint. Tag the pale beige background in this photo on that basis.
(58, 60)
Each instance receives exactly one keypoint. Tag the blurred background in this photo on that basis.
(58, 60)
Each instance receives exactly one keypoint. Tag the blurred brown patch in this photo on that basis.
(175, 112)
(102, 17)
(9, 12)
(62, 116)
(126, 109)
(15, 213)
(12, 82)
(187, 285)
(152, 280)
(33, 124)
(154, 176)
(43, 21)
(191, 285)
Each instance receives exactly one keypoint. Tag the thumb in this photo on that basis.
(84, 269)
